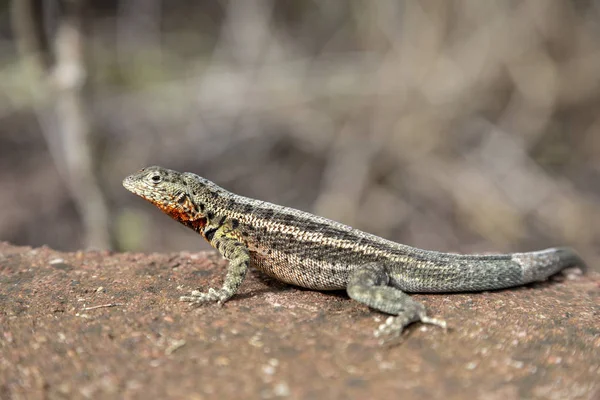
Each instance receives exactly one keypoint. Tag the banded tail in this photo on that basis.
(460, 273)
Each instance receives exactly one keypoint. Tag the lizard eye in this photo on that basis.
(156, 178)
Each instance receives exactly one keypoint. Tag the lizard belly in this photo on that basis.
(289, 268)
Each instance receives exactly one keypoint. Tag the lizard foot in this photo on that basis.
(393, 326)
(213, 295)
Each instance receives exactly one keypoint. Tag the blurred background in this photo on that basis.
(458, 125)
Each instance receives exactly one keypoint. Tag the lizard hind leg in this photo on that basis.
(369, 284)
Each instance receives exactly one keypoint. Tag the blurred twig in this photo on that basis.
(60, 71)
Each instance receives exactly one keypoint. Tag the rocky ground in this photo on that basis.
(109, 325)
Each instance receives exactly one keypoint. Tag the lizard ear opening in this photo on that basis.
(189, 180)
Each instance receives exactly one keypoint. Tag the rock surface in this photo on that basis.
(104, 325)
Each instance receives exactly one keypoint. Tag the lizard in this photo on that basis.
(313, 252)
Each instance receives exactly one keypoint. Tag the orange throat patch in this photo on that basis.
(184, 213)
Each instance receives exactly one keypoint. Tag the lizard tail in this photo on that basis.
(458, 273)
(539, 265)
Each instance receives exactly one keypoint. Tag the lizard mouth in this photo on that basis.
(128, 184)
(134, 187)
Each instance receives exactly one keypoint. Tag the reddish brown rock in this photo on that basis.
(103, 325)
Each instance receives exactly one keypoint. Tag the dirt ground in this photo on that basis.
(107, 325)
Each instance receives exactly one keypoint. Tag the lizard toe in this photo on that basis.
(198, 297)
(212, 295)
(434, 321)
(393, 326)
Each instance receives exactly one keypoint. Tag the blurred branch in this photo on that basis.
(58, 87)
(28, 27)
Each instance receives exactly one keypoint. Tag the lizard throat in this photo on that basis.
(184, 212)
(195, 222)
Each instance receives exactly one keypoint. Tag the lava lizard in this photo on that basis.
(313, 252)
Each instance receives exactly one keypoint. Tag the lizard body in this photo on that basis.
(302, 249)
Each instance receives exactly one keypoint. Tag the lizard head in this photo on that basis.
(168, 190)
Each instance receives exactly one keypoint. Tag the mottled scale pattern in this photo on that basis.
(300, 248)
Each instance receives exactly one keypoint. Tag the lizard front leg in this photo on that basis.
(369, 284)
(239, 260)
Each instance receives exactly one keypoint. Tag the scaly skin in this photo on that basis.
(302, 249)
